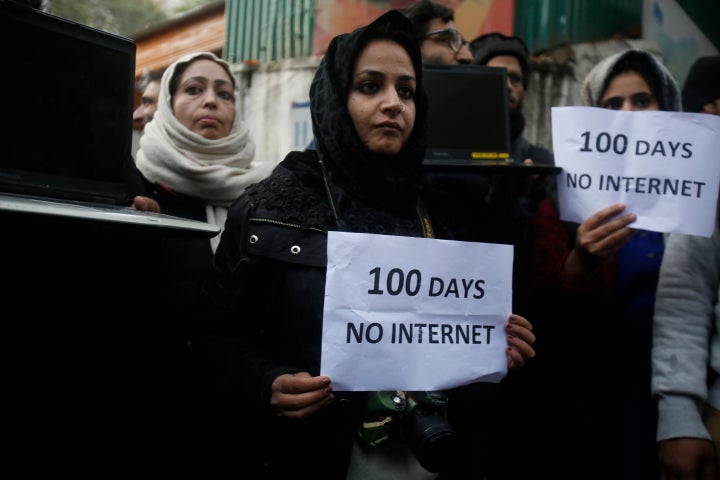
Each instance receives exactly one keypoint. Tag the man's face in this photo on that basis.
(438, 48)
(148, 105)
(516, 90)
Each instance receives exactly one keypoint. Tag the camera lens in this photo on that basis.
(433, 441)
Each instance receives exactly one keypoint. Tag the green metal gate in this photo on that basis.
(268, 30)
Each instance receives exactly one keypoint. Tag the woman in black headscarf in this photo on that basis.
(266, 294)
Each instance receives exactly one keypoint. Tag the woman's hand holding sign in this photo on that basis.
(598, 239)
(298, 395)
(520, 340)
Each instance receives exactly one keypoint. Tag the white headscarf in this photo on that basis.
(596, 81)
(213, 171)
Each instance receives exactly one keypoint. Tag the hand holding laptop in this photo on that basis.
(146, 204)
(535, 182)
(68, 166)
(510, 187)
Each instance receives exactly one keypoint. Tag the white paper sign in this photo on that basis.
(664, 166)
(414, 313)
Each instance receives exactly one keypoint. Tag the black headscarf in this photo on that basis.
(353, 171)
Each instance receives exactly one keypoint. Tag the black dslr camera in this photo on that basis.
(417, 418)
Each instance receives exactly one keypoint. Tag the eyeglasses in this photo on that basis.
(514, 77)
(451, 36)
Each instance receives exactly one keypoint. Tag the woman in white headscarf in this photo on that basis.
(594, 288)
(196, 153)
(196, 157)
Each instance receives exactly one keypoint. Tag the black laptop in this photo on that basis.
(469, 121)
(66, 128)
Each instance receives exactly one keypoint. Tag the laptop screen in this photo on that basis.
(468, 121)
(67, 128)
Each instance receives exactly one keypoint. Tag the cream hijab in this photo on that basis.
(213, 171)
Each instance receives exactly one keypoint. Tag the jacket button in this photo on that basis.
(295, 249)
(253, 239)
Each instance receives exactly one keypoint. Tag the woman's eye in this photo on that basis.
(193, 90)
(225, 95)
(406, 92)
(642, 100)
(368, 87)
(612, 103)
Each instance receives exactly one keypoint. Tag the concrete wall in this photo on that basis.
(276, 104)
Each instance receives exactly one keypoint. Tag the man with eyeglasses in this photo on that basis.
(519, 392)
(440, 41)
(511, 53)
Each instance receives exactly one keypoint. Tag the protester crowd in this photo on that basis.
(578, 400)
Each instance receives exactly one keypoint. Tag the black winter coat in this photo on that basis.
(265, 320)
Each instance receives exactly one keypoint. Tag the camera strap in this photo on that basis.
(424, 218)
